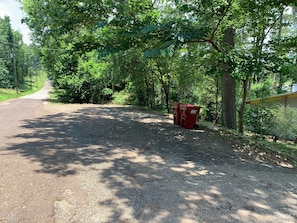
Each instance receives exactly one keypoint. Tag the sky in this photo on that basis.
(12, 9)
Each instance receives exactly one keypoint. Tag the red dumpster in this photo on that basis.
(188, 115)
(176, 113)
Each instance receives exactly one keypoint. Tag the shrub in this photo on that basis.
(4, 78)
(74, 89)
(260, 119)
(261, 90)
(285, 119)
(271, 119)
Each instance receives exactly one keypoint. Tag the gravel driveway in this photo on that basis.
(94, 163)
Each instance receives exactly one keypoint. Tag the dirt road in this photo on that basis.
(91, 163)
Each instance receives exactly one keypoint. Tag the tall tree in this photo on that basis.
(167, 26)
(228, 85)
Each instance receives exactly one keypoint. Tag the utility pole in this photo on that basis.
(12, 54)
(14, 71)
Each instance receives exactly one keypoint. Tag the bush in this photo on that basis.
(271, 119)
(260, 119)
(74, 89)
(120, 98)
(285, 122)
(4, 78)
(261, 90)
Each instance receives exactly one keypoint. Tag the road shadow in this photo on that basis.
(157, 171)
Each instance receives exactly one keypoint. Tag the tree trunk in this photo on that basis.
(217, 114)
(228, 101)
(228, 86)
(166, 92)
(15, 76)
(242, 106)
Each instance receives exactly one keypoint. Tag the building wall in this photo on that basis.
(289, 102)
(292, 102)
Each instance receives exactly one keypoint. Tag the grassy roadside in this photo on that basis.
(283, 153)
(25, 89)
(261, 148)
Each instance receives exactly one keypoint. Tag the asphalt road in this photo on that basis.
(13, 112)
(25, 194)
(106, 163)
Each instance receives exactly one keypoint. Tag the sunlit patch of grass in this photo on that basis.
(120, 98)
(6, 94)
(28, 87)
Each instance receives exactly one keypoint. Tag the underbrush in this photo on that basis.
(258, 146)
(120, 98)
(274, 120)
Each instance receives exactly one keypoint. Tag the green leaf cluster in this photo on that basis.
(158, 52)
(17, 60)
(273, 119)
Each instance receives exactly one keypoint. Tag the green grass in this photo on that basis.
(24, 89)
(280, 151)
(54, 96)
(120, 98)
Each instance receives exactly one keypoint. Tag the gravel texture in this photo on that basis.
(95, 163)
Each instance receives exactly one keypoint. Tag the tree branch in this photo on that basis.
(211, 39)
(270, 28)
(220, 20)
(211, 42)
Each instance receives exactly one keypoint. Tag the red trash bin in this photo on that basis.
(176, 113)
(188, 115)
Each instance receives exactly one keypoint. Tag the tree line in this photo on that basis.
(212, 53)
(17, 60)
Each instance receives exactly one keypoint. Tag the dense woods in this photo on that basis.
(17, 60)
(211, 53)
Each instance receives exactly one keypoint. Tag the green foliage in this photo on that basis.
(120, 98)
(262, 89)
(273, 119)
(285, 119)
(4, 77)
(257, 146)
(15, 57)
(260, 119)
(29, 86)
(84, 83)
(74, 89)
(162, 51)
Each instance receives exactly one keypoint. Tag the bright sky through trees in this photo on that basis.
(12, 9)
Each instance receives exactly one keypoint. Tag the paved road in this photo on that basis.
(26, 194)
(13, 112)
(101, 164)
(22, 191)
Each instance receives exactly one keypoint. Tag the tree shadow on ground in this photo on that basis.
(156, 171)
